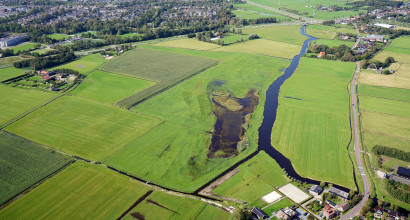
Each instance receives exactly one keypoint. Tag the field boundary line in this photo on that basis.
(401, 116)
(126, 75)
(34, 185)
(384, 98)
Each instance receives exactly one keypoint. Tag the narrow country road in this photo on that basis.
(358, 37)
(358, 207)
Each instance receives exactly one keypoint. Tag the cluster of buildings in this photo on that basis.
(56, 79)
(11, 40)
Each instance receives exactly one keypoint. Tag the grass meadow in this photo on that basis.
(84, 64)
(385, 92)
(82, 127)
(81, 191)
(10, 72)
(59, 36)
(109, 88)
(244, 14)
(327, 32)
(334, 43)
(161, 205)
(263, 47)
(312, 127)
(175, 153)
(14, 101)
(24, 46)
(256, 178)
(24, 163)
(8, 61)
(285, 33)
(279, 205)
(188, 43)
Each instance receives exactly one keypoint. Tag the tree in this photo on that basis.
(348, 57)
(322, 184)
(386, 72)
(389, 60)
(240, 214)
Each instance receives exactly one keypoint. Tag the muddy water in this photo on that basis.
(233, 115)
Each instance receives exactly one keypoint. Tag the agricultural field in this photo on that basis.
(187, 43)
(24, 163)
(328, 32)
(264, 47)
(385, 116)
(244, 14)
(175, 153)
(285, 33)
(159, 205)
(131, 35)
(78, 192)
(234, 38)
(8, 61)
(84, 128)
(333, 43)
(256, 178)
(59, 36)
(10, 72)
(24, 47)
(14, 101)
(312, 127)
(84, 64)
(109, 88)
(401, 77)
(165, 68)
(326, 15)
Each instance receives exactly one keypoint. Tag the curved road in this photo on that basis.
(357, 150)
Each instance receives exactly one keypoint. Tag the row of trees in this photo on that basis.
(391, 152)
(398, 191)
(45, 62)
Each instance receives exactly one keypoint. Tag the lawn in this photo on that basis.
(83, 128)
(257, 177)
(14, 101)
(166, 68)
(312, 127)
(264, 47)
(109, 88)
(59, 36)
(279, 205)
(81, 191)
(24, 163)
(188, 43)
(285, 33)
(24, 47)
(10, 72)
(334, 43)
(84, 64)
(159, 205)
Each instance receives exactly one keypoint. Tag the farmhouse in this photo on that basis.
(315, 190)
(343, 207)
(286, 213)
(339, 193)
(372, 38)
(259, 213)
(321, 54)
(328, 212)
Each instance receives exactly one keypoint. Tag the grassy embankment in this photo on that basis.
(312, 127)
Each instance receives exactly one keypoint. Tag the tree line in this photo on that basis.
(39, 63)
(391, 152)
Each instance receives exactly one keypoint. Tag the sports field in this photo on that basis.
(82, 127)
(14, 101)
(81, 191)
(24, 46)
(312, 126)
(59, 36)
(285, 33)
(159, 205)
(187, 43)
(264, 47)
(23, 163)
(334, 43)
(109, 88)
(257, 177)
(84, 64)
(10, 72)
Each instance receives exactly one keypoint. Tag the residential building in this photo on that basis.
(316, 190)
(328, 212)
(343, 207)
(259, 213)
(339, 193)
(321, 54)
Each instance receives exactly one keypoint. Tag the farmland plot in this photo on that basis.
(286, 33)
(10, 72)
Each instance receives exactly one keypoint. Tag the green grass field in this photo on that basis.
(234, 38)
(187, 43)
(10, 72)
(312, 127)
(24, 163)
(257, 177)
(279, 205)
(14, 101)
(327, 32)
(24, 46)
(264, 47)
(59, 36)
(41, 51)
(83, 128)
(160, 205)
(109, 88)
(243, 14)
(401, 42)
(385, 92)
(84, 64)
(285, 33)
(8, 61)
(334, 43)
(131, 35)
(81, 191)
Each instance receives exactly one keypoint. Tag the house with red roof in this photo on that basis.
(329, 212)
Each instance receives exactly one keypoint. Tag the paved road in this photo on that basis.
(357, 208)
(358, 37)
